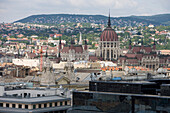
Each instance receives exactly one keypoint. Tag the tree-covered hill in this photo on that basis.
(162, 19)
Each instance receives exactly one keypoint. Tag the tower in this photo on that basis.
(59, 47)
(80, 39)
(154, 45)
(85, 42)
(130, 44)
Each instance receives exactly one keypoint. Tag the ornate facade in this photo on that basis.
(74, 52)
(145, 56)
(109, 45)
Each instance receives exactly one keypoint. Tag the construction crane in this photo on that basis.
(41, 59)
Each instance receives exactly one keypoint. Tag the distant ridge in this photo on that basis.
(160, 19)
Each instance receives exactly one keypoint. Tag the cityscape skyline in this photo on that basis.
(12, 10)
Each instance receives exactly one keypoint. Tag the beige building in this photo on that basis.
(109, 45)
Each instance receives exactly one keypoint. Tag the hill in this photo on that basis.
(162, 19)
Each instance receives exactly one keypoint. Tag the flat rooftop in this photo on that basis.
(126, 94)
(126, 82)
(33, 100)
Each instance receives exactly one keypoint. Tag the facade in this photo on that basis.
(145, 56)
(109, 45)
(33, 100)
(74, 52)
(123, 97)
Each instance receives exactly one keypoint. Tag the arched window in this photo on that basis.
(108, 54)
(111, 53)
(103, 53)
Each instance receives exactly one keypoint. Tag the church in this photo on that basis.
(109, 44)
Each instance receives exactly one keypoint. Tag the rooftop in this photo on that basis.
(33, 100)
(127, 94)
(126, 82)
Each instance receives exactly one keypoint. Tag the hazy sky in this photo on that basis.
(12, 10)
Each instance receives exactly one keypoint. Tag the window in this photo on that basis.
(39, 105)
(61, 103)
(13, 105)
(65, 102)
(34, 106)
(50, 104)
(26, 106)
(20, 106)
(7, 105)
(45, 105)
(55, 103)
(1, 104)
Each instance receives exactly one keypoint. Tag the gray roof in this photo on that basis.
(33, 100)
(125, 94)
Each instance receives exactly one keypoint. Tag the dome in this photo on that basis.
(108, 35)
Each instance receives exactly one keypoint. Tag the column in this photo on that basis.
(30, 106)
(16, 105)
(53, 104)
(105, 54)
(23, 106)
(10, 105)
(4, 104)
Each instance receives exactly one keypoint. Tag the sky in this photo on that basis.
(12, 10)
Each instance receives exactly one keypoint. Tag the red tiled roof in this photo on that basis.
(78, 49)
(148, 49)
(131, 55)
(136, 49)
(139, 56)
(132, 61)
(65, 50)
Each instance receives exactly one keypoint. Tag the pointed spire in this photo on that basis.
(59, 55)
(109, 24)
(71, 40)
(46, 54)
(130, 41)
(60, 43)
(154, 41)
(85, 47)
(85, 41)
(80, 39)
(154, 45)
(130, 44)
(142, 42)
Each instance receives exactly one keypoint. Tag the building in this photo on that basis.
(18, 99)
(145, 56)
(26, 62)
(123, 97)
(74, 52)
(47, 77)
(109, 44)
